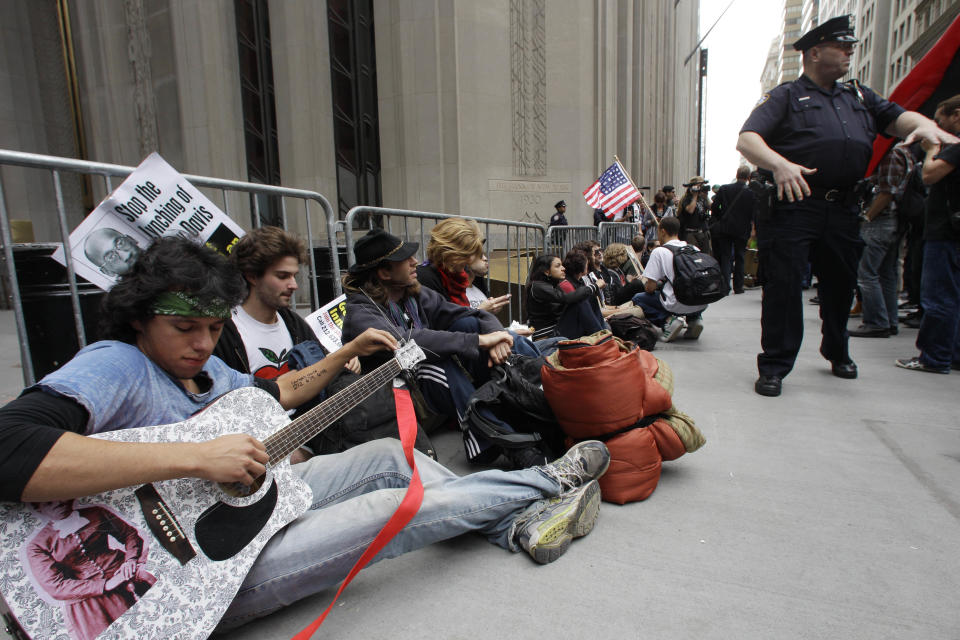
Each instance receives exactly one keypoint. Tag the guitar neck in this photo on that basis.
(288, 439)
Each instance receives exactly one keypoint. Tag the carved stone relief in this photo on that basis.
(528, 90)
(138, 48)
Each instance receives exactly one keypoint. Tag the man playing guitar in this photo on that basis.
(161, 322)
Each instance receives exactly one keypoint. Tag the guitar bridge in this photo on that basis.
(164, 525)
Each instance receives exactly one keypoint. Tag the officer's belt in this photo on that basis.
(839, 196)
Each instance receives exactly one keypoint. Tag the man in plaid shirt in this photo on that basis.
(881, 232)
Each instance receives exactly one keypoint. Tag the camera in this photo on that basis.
(695, 188)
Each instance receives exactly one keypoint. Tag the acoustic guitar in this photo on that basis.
(166, 559)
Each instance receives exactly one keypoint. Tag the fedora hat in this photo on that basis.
(377, 246)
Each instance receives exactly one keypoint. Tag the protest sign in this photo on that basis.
(327, 323)
(154, 201)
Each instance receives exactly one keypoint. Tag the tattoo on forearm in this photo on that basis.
(306, 378)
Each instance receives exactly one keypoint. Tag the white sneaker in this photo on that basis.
(672, 328)
(694, 329)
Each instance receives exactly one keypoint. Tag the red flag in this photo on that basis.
(935, 78)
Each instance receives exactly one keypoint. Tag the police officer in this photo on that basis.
(559, 218)
(813, 139)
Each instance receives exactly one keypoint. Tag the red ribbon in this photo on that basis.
(407, 422)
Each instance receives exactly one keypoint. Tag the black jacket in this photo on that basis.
(436, 314)
(733, 211)
(230, 347)
(546, 302)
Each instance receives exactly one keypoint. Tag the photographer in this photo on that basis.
(694, 214)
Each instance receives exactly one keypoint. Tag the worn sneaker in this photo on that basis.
(583, 462)
(547, 528)
(914, 364)
(694, 329)
(672, 328)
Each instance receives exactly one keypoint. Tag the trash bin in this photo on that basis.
(47, 311)
(324, 274)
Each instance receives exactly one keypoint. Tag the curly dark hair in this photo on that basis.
(575, 263)
(260, 248)
(170, 264)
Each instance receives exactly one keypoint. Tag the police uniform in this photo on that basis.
(832, 131)
(558, 219)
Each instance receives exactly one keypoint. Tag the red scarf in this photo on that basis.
(456, 286)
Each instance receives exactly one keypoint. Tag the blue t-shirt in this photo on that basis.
(122, 388)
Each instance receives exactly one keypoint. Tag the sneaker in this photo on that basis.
(694, 329)
(546, 529)
(914, 364)
(583, 462)
(672, 328)
(525, 457)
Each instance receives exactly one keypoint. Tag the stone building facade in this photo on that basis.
(495, 108)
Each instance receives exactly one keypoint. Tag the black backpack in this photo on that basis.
(697, 279)
(514, 394)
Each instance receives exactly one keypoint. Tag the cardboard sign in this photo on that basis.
(154, 201)
(327, 323)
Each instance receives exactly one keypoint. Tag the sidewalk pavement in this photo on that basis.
(832, 511)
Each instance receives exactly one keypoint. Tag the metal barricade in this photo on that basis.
(309, 200)
(510, 245)
(618, 232)
(560, 239)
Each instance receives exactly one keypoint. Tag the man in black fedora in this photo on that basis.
(559, 219)
(461, 343)
(812, 140)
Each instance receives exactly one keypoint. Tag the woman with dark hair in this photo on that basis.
(555, 305)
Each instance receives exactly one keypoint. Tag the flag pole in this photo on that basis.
(642, 199)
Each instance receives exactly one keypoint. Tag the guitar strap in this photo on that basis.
(407, 422)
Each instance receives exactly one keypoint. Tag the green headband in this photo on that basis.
(178, 303)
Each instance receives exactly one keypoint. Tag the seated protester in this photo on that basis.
(633, 267)
(661, 307)
(261, 331)
(554, 311)
(590, 315)
(477, 293)
(455, 244)
(594, 254)
(618, 290)
(383, 292)
(155, 367)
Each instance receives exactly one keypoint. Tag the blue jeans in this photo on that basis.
(354, 494)
(877, 272)
(939, 336)
(653, 309)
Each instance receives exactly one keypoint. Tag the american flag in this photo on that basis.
(612, 191)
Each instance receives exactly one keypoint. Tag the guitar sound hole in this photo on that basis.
(239, 490)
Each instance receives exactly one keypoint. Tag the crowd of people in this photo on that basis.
(189, 326)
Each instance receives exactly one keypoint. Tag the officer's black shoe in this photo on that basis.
(846, 370)
(768, 385)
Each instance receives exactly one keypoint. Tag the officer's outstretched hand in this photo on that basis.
(931, 135)
(790, 182)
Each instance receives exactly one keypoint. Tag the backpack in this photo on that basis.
(697, 279)
(632, 328)
(513, 394)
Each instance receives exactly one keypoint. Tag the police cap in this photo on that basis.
(560, 204)
(833, 30)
